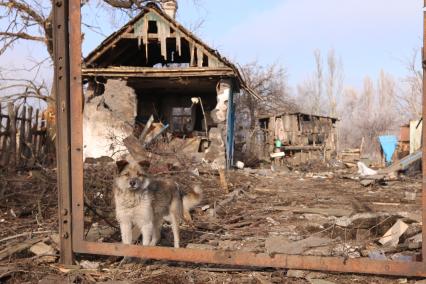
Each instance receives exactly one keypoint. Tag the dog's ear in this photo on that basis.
(121, 165)
(145, 164)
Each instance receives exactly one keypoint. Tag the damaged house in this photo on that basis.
(303, 136)
(155, 67)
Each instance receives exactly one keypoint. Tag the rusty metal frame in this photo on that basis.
(70, 173)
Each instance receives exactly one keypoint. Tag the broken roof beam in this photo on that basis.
(145, 72)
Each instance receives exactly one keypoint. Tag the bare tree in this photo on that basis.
(318, 77)
(307, 96)
(410, 97)
(31, 21)
(21, 90)
(370, 113)
(270, 83)
(334, 82)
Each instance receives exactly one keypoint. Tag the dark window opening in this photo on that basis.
(205, 61)
(306, 118)
(152, 27)
(195, 61)
(264, 123)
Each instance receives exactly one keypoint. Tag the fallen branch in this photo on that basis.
(26, 235)
(219, 206)
(99, 213)
(8, 273)
(19, 247)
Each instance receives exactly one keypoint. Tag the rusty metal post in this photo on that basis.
(424, 137)
(63, 131)
(76, 104)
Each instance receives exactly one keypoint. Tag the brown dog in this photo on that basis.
(145, 202)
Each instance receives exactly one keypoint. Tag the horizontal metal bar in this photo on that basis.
(359, 265)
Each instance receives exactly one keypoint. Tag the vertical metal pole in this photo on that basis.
(76, 104)
(424, 138)
(62, 92)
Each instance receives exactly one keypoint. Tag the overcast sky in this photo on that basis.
(368, 35)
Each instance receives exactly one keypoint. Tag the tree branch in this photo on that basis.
(24, 8)
(22, 35)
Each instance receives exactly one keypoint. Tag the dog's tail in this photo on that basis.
(192, 198)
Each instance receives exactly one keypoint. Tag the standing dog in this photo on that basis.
(145, 202)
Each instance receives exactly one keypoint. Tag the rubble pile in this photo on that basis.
(270, 211)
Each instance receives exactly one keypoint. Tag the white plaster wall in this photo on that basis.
(108, 119)
(415, 135)
(223, 93)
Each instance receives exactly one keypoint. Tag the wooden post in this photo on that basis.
(12, 134)
(34, 136)
(22, 122)
(5, 148)
(28, 139)
(1, 135)
(223, 182)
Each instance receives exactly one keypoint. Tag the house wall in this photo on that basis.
(415, 135)
(217, 135)
(108, 119)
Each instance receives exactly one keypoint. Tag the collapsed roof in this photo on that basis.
(154, 44)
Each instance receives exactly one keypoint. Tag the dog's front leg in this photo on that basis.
(174, 220)
(147, 230)
(156, 234)
(126, 232)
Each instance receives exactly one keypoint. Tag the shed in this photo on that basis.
(303, 136)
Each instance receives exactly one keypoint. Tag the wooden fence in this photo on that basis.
(23, 136)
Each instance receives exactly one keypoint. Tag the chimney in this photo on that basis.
(170, 7)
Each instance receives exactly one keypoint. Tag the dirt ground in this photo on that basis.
(263, 211)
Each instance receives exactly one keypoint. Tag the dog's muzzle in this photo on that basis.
(134, 184)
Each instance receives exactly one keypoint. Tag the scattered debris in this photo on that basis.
(16, 248)
(277, 244)
(240, 165)
(391, 237)
(46, 252)
(97, 233)
(292, 273)
(377, 255)
(363, 170)
(200, 246)
(86, 264)
(320, 281)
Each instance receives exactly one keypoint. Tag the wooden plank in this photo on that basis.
(2, 137)
(146, 129)
(29, 137)
(40, 140)
(157, 72)
(6, 154)
(12, 146)
(34, 132)
(223, 182)
(300, 148)
(21, 144)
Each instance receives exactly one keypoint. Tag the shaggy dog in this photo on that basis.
(145, 202)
